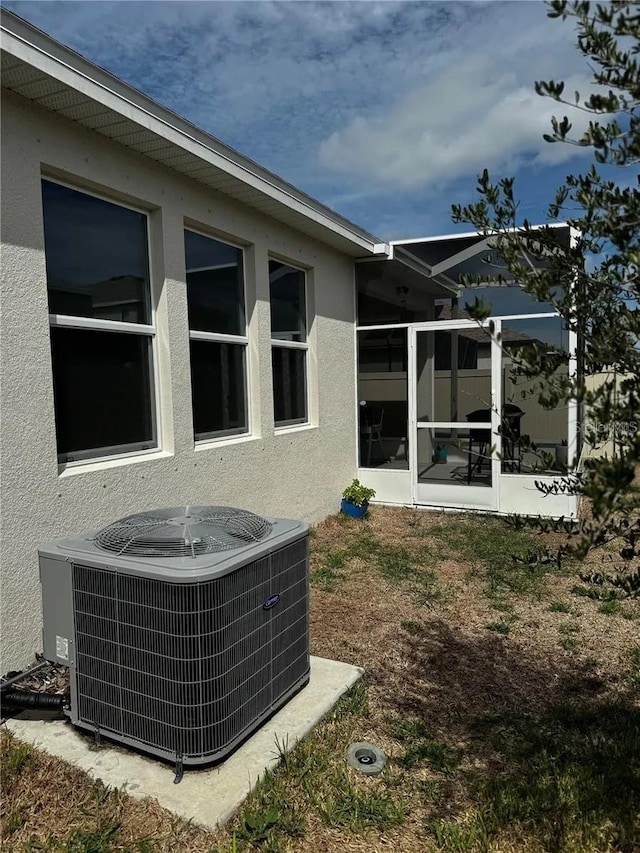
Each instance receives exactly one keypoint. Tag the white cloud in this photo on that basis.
(480, 110)
(349, 100)
(465, 119)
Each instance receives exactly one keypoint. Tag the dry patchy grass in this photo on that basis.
(508, 707)
(50, 805)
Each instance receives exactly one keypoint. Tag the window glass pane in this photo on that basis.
(102, 389)
(218, 388)
(96, 255)
(215, 285)
(289, 385)
(288, 308)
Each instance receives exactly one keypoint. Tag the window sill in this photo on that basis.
(92, 465)
(285, 430)
(224, 441)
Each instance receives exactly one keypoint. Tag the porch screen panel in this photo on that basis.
(383, 399)
(453, 391)
(540, 437)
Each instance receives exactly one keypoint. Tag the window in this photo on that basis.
(289, 345)
(101, 320)
(218, 336)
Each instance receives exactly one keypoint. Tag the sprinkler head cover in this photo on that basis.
(366, 758)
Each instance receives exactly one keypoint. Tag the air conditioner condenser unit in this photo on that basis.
(184, 629)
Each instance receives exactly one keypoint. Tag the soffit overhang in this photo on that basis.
(47, 73)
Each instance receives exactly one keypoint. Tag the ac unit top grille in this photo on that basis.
(186, 531)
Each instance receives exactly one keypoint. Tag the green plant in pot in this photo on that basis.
(439, 453)
(355, 499)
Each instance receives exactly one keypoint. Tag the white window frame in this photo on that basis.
(221, 338)
(278, 343)
(84, 457)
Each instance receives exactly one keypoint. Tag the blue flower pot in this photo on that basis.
(353, 510)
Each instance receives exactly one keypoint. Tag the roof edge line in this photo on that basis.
(461, 234)
(323, 217)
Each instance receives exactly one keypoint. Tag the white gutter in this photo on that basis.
(461, 234)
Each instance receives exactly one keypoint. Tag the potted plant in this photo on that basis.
(355, 499)
(439, 453)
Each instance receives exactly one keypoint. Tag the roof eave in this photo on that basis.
(35, 48)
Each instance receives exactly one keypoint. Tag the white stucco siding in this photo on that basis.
(297, 473)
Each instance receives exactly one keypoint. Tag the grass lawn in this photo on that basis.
(508, 706)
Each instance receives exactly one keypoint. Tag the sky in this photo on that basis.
(384, 111)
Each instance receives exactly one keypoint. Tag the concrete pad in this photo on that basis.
(210, 796)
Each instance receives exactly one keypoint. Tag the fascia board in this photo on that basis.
(460, 257)
(39, 51)
(461, 234)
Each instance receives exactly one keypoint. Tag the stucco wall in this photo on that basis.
(607, 445)
(297, 473)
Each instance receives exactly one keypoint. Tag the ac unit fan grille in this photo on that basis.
(186, 531)
(188, 668)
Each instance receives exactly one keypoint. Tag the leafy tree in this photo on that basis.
(594, 283)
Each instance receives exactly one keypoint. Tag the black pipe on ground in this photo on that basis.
(32, 699)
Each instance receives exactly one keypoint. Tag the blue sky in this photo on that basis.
(384, 111)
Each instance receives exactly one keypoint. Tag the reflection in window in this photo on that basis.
(97, 268)
(96, 256)
(287, 296)
(102, 391)
(289, 385)
(289, 347)
(215, 285)
(218, 388)
(216, 304)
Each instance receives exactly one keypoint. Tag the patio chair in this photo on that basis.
(480, 437)
(510, 430)
(371, 418)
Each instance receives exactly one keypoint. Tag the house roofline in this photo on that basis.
(463, 234)
(32, 46)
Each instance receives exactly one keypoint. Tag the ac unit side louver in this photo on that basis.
(184, 629)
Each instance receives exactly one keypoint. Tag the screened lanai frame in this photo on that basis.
(512, 490)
